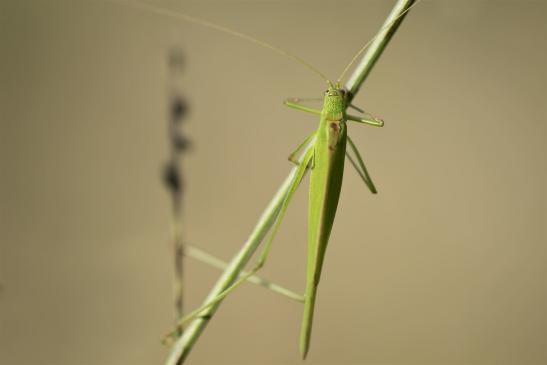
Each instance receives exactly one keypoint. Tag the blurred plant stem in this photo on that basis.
(172, 176)
(184, 344)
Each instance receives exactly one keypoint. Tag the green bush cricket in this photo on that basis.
(324, 158)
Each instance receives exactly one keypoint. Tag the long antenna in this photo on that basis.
(205, 23)
(358, 54)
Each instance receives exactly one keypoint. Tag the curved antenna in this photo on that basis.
(205, 23)
(360, 52)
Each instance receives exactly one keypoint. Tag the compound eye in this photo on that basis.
(326, 92)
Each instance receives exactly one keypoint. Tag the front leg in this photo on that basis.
(369, 119)
(295, 104)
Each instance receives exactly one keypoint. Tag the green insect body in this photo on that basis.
(325, 185)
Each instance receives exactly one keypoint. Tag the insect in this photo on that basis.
(324, 153)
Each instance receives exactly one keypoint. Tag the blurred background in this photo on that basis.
(446, 265)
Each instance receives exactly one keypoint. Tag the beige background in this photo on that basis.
(445, 266)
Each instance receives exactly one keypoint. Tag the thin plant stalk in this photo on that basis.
(184, 344)
(173, 177)
(377, 46)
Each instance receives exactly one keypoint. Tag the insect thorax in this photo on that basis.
(334, 104)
